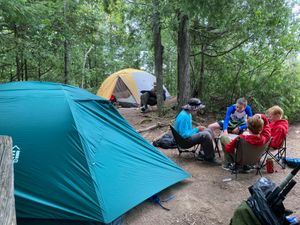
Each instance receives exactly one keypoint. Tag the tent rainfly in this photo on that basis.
(126, 85)
(77, 159)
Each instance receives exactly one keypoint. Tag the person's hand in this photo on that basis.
(236, 130)
(201, 128)
(225, 132)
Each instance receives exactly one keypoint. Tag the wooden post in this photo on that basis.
(7, 199)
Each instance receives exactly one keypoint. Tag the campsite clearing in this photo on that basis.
(212, 194)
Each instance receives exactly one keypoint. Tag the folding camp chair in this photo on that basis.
(183, 145)
(279, 156)
(248, 154)
(217, 149)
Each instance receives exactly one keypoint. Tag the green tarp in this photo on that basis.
(79, 159)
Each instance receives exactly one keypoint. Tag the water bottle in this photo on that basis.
(270, 165)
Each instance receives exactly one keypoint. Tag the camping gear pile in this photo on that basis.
(265, 206)
(78, 158)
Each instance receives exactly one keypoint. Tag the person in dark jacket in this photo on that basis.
(149, 97)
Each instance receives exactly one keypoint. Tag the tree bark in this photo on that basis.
(183, 50)
(201, 75)
(66, 62)
(39, 70)
(25, 70)
(158, 56)
(18, 64)
(84, 65)
(66, 47)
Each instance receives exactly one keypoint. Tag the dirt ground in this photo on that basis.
(205, 198)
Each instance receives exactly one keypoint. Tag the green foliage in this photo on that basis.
(238, 48)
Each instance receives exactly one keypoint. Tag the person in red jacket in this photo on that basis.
(279, 127)
(258, 134)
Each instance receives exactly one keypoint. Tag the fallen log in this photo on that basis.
(158, 125)
(7, 203)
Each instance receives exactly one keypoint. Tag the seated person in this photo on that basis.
(197, 135)
(235, 119)
(258, 134)
(150, 98)
(279, 127)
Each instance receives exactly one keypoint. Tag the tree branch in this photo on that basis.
(222, 53)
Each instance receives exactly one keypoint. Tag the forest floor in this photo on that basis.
(207, 197)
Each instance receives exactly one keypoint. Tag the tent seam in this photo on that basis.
(81, 142)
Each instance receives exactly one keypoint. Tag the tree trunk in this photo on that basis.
(25, 69)
(39, 70)
(183, 51)
(66, 62)
(158, 56)
(18, 64)
(201, 77)
(18, 67)
(84, 66)
(66, 47)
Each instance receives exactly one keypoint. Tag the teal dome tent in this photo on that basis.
(78, 157)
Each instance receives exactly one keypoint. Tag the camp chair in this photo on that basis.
(183, 145)
(280, 154)
(217, 140)
(217, 150)
(248, 154)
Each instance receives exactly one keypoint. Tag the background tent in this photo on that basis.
(126, 85)
(79, 159)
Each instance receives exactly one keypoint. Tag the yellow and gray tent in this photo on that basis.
(126, 85)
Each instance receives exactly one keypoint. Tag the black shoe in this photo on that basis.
(246, 169)
(200, 157)
(234, 168)
(227, 166)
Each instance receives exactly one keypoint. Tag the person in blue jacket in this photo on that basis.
(196, 135)
(235, 118)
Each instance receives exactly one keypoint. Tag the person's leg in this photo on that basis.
(152, 101)
(228, 157)
(205, 139)
(213, 127)
(144, 100)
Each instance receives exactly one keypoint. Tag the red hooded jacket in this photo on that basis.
(257, 140)
(279, 130)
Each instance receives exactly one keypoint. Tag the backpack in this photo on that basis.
(167, 141)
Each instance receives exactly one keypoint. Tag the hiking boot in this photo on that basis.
(234, 169)
(246, 169)
(200, 157)
(143, 109)
(227, 166)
